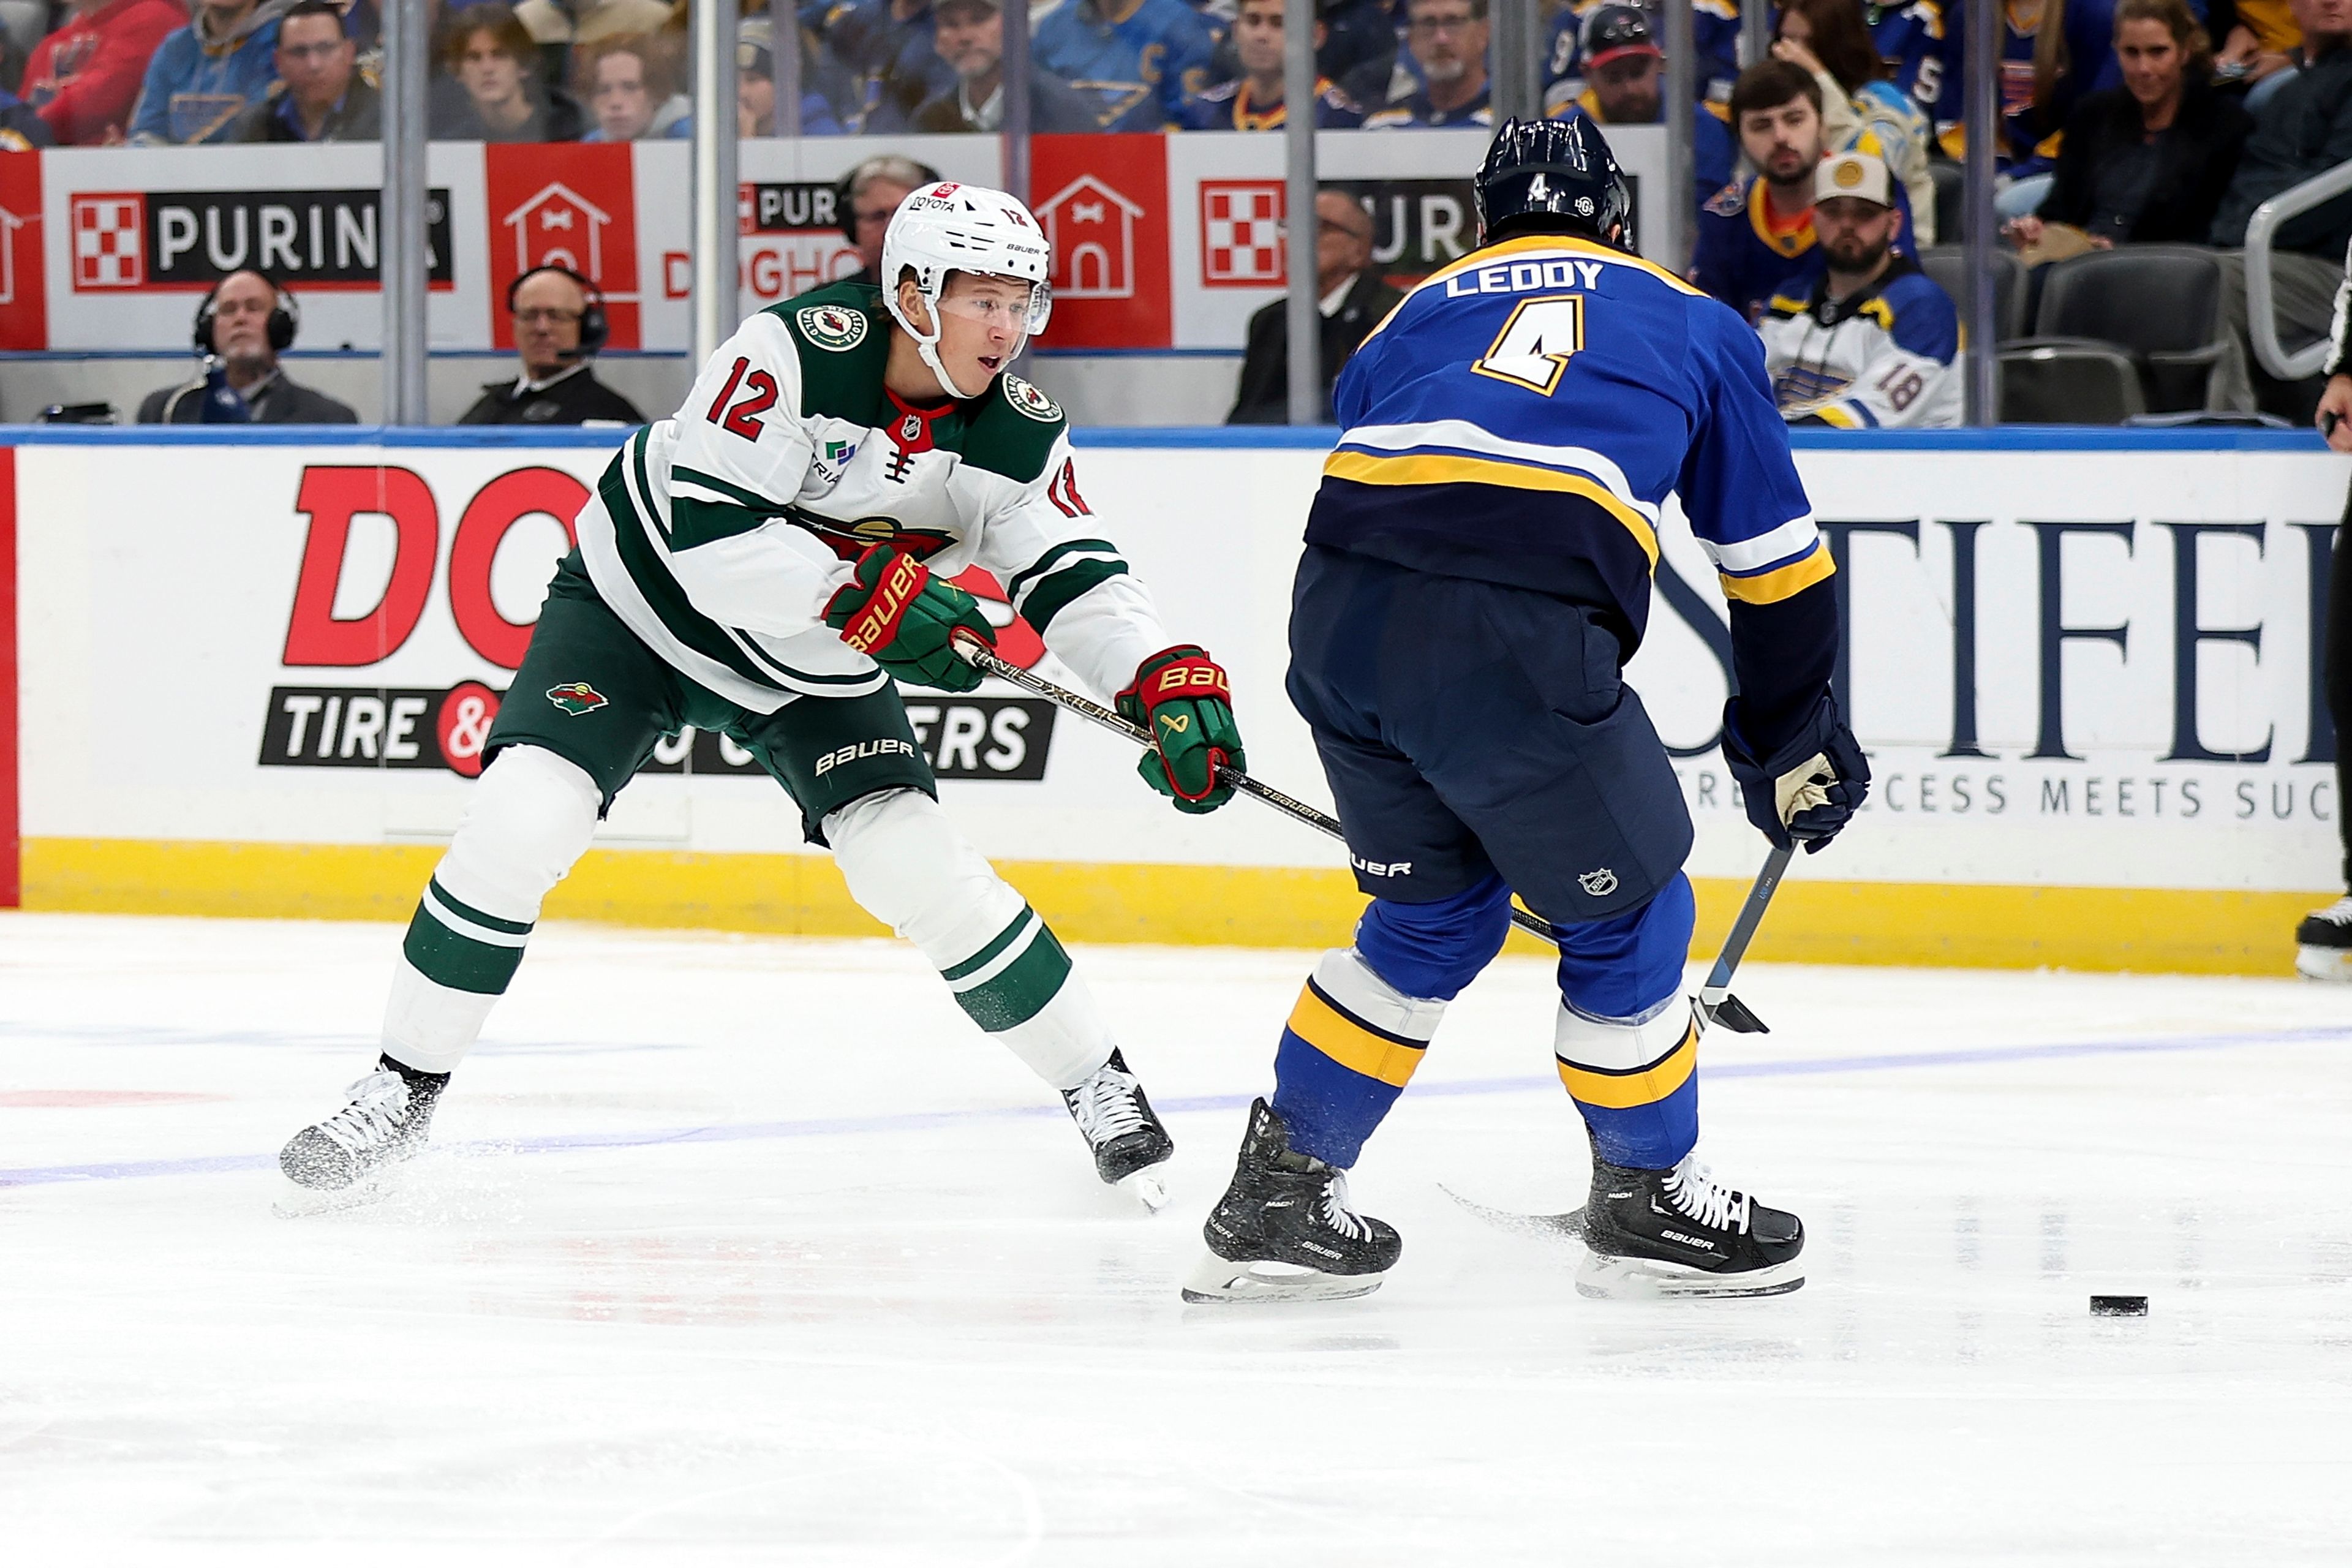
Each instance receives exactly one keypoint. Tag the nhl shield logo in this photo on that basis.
(1029, 399)
(832, 327)
(577, 697)
(1600, 884)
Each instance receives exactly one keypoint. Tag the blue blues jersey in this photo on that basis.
(1715, 30)
(1910, 40)
(1141, 71)
(1522, 417)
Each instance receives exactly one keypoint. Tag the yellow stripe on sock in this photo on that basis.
(1353, 1044)
(1642, 1086)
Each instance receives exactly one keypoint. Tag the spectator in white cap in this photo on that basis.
(1866, 339)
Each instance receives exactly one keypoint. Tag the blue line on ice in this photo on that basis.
(821, 1126)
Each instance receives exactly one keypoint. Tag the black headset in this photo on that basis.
(846, 213)
(284, 314)
(593, 327)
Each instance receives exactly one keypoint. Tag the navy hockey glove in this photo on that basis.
(903, 618)
(1809, 788)
(1182, 696)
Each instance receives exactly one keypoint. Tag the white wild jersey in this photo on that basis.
(724, 529)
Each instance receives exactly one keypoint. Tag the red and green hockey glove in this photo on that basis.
(1182, 696)
(903, 618)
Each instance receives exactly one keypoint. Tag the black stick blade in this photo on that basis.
(1733, 1015)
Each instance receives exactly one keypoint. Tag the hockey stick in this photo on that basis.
(1716, 1005)
(981, 657)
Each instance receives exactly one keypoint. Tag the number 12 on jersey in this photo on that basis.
(1532, 349)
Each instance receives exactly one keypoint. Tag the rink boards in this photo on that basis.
(251, 676)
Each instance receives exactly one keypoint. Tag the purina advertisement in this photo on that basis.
(1160, 241)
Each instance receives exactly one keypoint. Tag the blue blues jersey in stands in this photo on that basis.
(1910, 40)
(1522, 417)
(1715, 30)
(1743, 255)
(1140, 62)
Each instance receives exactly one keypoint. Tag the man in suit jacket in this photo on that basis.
(1354, 301)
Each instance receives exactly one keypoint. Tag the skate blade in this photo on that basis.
(2334, 964)
(1603, 1278)
(306, 1202)
(1217, 1280)
(1145, 1187)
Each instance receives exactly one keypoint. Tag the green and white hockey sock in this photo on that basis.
(529, 818)
(908, 867)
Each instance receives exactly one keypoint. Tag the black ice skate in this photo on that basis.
(387, 1120)
(1283, 1232)
(1117, 1122)
(2323, 943)
(1682, 1233)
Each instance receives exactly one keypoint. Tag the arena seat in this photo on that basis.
(2160, 306)
(1948, 266)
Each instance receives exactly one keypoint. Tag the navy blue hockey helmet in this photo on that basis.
(1557, 170)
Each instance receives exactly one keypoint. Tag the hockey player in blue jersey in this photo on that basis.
(1478, 570)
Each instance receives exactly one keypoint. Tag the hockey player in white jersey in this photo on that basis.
(1866, 339)
(762, 564)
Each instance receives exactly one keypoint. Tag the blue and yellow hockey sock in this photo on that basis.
(1352, 1044)
(1626, 1039)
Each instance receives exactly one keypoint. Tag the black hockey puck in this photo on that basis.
(2119, 1305)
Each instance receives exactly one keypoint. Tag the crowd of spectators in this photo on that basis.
(2121, 121)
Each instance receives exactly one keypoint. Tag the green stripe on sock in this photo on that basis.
(467, 911)
(996, 944)
(1022, 991)
(461, 962)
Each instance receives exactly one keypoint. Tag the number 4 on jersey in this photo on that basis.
(1532, 349)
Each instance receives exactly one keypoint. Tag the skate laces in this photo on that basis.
(2338, 913)
(1105, 1105)
(1692, 1188)
(1338, 1215)
(376, 1114)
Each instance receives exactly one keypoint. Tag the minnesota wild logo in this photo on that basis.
(832, 327)
(576, 699)
(1027, 398)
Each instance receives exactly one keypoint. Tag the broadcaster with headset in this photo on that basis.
(242, 326)
(559, 325)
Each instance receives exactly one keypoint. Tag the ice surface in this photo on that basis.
(753, 1251)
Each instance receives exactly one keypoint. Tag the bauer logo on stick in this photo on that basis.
(577, 697)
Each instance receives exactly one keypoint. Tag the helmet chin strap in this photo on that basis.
(929, 349)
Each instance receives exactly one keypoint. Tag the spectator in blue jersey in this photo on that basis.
(1447, 40)
(1714, 34)
(321, 96)
(1624, 71)
(1910, 40)
(1860, 107)
(1252, 100)
(1868, 339)
(202, 78)
(1141, 61)
(2052, 54)
(888, 50)
(1758, 231)
(970, 34)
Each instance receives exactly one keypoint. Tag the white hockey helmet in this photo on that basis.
(951, 228)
